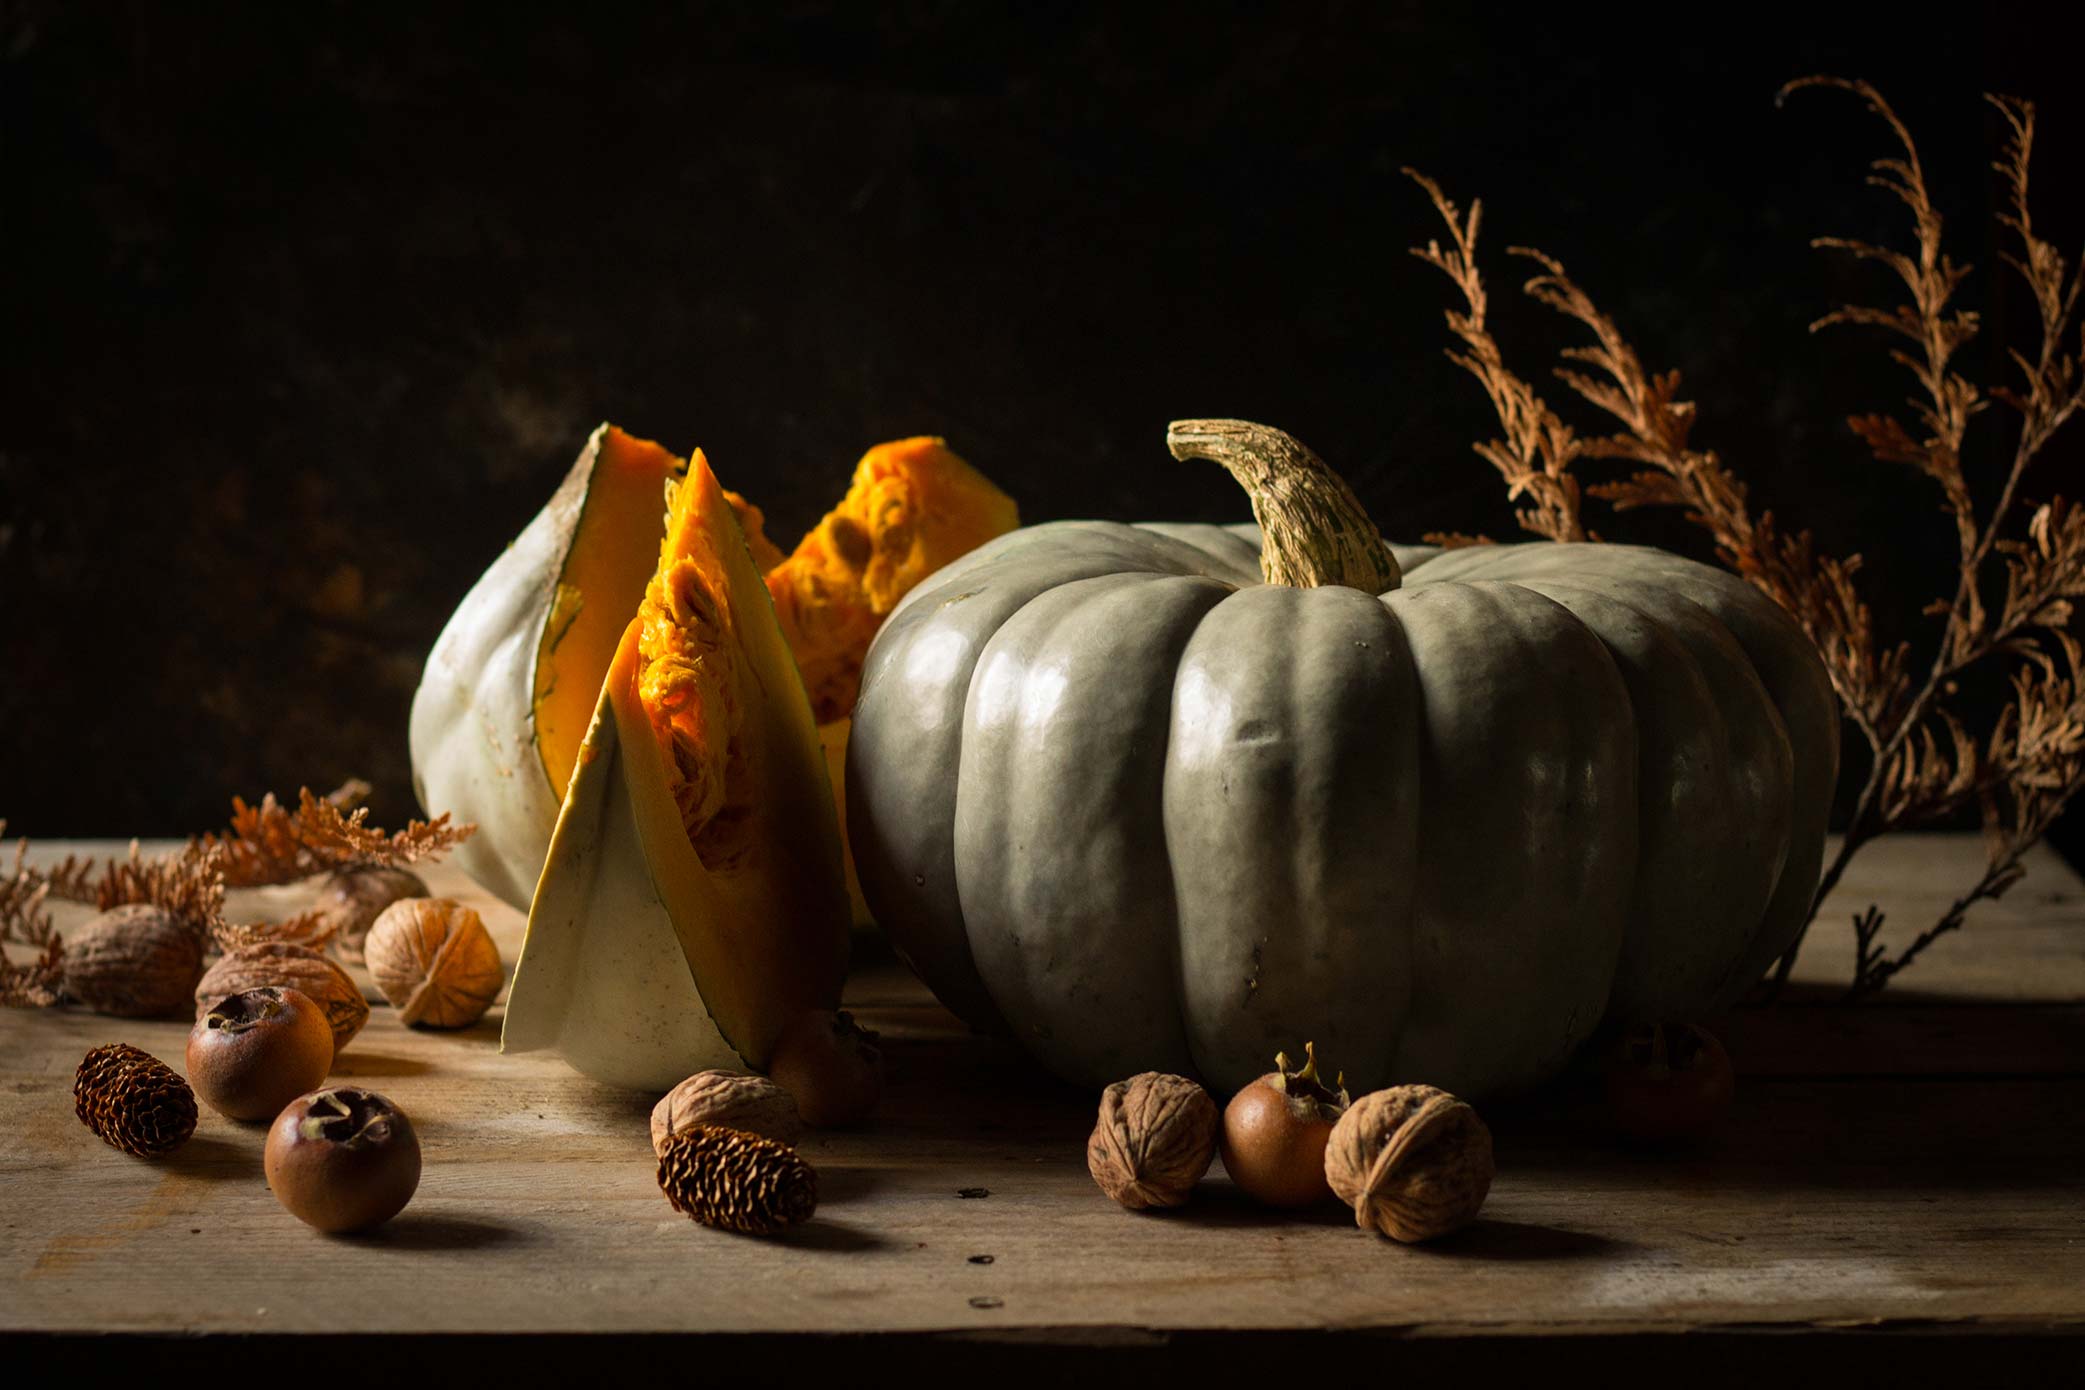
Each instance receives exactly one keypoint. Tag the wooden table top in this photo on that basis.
(1915, 1165)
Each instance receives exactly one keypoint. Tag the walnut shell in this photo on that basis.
(288, 966)
(1412, 1161)
(1155, 1137)
(350, 900)
(435, 962)
(134, 961)
(727, 1100)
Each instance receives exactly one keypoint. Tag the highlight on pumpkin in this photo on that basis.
(691, 679)
(913, 507)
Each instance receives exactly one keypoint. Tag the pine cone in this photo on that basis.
(737, 1181)
(134, 1101)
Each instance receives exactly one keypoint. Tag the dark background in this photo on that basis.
(308, 307)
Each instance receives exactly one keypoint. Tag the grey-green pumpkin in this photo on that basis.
(1113, 791)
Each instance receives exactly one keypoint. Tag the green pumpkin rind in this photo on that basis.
(1111, 793)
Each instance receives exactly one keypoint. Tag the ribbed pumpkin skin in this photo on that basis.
(1110, 792)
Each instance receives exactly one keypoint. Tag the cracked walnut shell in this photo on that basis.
(1155, 1137)
(285, 965)
(1412, 1161)
(726, 1100)
(435, 962)
(133, 961)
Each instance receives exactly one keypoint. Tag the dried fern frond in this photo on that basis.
(1455, 540)
(1536, 455)
(269, 843)
(24, 920)
(38, 984)
(188, 884)
(23, 917)
(310, 929)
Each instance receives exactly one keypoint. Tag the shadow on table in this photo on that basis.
(1786, 1136)
(355, 1063)
(215, 1158)
(820, 1234)
(408, 1231)
(1486, 1239)
(838, 1185)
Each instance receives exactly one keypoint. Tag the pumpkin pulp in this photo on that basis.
(912, 507)
(692, 677)
(605, 569)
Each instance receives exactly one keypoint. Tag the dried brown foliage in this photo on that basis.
(269, 843)
(1925, 763)
(188, 884)
(25, 921)
(266, 844)
(1538, 449)
(305, 929)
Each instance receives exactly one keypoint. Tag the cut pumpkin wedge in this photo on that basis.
(511, 683)
(692, 902)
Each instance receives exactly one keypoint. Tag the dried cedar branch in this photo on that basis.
(1538, 449)
(269, 843)
(24, 920)
(1925, 763)
(312, 929)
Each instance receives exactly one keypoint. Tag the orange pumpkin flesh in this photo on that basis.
(708, 678)
(691, 679)
(607, 565)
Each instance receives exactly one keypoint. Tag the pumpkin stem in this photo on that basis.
(1313, 530)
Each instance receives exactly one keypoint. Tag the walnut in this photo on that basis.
(730, 1100)
(1153, 1141)
(435, 962)
(351, 898)
(134, 961)
(134, 1101)
(1413, 1162)
(288, 966)
(737, 1181)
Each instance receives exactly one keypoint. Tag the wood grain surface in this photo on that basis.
(1916, 1163)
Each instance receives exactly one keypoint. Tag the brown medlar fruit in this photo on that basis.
(350, 899)
(1274, 1133)
(342, 1159)
(1155, 1137)
(832, 1067)
(1412, 1161)
(258, 1050)
(726, 1100)
(1669, 1083)
(435, 962)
